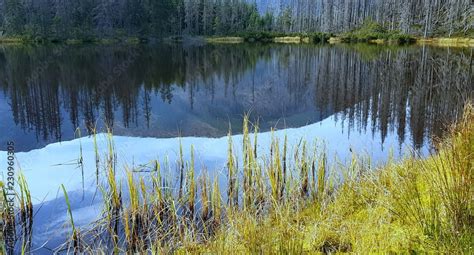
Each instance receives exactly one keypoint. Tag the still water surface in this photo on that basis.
(361, 97)
(165, 90)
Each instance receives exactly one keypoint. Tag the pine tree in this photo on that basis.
(14, 17)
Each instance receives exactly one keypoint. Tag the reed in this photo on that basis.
(284, 163)
(113, 204)
(191, 185)
(216, 203)
(304, 170)
(181, 169)
(205, 196)
(111, 160)
(247, 155)
(275, 170)
(8, 218)
(158, 197)
(255, 140)
(300, 204)
(259, 187)
(322, 170)
(96, 153)
(114, 190)
(133, 219)
(81, 157)
(26, 212)
(75, 233)
(2, 216)
(232, 191)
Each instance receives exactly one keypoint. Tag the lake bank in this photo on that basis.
(81, 166)
(303, 92)
(447, 42)
(104, 41)
(435, 41)
(418, 205)
(294, 205)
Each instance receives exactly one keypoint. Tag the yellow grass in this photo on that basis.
(225, 39)
(447, 42)
(288, 39)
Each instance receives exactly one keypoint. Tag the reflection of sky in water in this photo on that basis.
(59, 160)
(294, 87)
(48, 168)
(197, 91)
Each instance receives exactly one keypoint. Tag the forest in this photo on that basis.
(236, 127)
(89, 19)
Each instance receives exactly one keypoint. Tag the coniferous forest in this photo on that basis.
(236, 127)
(71, 19)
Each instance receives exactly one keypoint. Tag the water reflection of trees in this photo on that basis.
(419, 90)
(382, 89)
(71, 82)
(407, 90)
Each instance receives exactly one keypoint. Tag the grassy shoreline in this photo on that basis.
(447, 42)
(384, 38)
(19, 40)
(368, 32)
(418, 205)
(289, 201)
(288, 39)
(436, 41)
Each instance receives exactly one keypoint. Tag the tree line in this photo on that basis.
(419, 17)
(116, 18)
(159, 18)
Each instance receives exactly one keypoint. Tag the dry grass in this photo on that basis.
(419, 205)
(289, 202)
(447, 42)
(288, 39)
(229, 39)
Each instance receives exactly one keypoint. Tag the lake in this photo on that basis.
(171, 90)
(380, 101)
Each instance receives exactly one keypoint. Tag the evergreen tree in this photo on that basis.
(159, 18)
(14, 17)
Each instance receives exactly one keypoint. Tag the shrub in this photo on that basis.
(319, 37)
(260, 36)
(371, 30)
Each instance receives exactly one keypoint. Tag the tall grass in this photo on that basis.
(232, 191)
(75, 233)
(418, 205)
(292, 204)
(96, 153)
(191, 184)
(81, 157)
(181, 169)
(26, 212)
